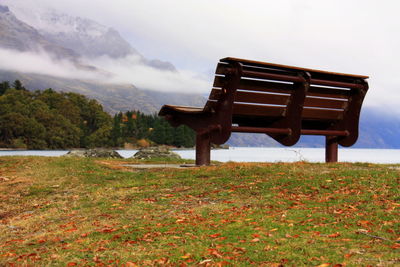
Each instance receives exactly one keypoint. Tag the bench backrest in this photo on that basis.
(271, 95)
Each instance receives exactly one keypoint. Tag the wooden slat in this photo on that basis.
(215, 94)
(255, 110)
(210, 105)
(246, 129)
(272, 76)
(286, 67)
(257, 85)
(325, 103)
(253, 97)
(328, 92)
(223, 68)
(219, 81)
(337, 84)
(326, 114)
(167, 109)
(264, 86)
(325, 132)
(259, 98)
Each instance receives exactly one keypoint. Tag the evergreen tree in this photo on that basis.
(17, 85)
(116, 132)
(179, 137)
(49, 119)
(4, 86)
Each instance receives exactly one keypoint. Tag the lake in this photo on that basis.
(257, 154)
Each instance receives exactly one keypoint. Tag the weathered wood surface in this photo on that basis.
(281, 101)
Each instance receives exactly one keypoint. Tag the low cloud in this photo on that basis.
(129, 70)
(42, 63)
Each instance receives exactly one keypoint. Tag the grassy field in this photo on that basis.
(96, 212)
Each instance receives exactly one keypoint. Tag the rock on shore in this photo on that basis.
(94, 153)
(156, 152)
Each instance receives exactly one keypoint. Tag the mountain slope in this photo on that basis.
(88, 38)
(114, 97)
(85, 37)
(17, 35)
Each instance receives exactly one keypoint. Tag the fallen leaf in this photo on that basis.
(107, 230)
(205, 261)
(334, 235)
(186, 256)
(214, 252)
(215, 235)
(396, 246)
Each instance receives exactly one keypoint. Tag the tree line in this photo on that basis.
(46, 119)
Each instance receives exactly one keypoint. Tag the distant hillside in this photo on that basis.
(114, 97)
(377, 129)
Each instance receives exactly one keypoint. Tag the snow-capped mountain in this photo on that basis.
(85, 37)
(17, 35)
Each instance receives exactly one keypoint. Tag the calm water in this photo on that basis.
(256, 154)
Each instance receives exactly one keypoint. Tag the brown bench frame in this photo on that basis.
(318, 103)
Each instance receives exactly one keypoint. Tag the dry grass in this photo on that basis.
(66, 211)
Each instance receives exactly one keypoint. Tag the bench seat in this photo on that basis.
(282, 101)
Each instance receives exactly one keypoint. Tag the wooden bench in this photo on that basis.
(281, 101)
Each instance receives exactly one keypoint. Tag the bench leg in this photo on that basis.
(203, 147)
(331, 149)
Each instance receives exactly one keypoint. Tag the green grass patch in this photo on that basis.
(66, 211)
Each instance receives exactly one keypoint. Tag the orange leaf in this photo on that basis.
(186, 256)
(324, 265)
(364, 223)
(214, 252)
(222, 263)
(334, 235)
(396, 246)
(72, 264)
(240, 250)
(108, 230)
(215, 235)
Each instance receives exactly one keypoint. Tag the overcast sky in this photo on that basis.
(359, 37)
